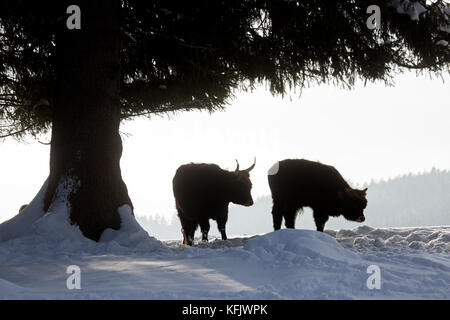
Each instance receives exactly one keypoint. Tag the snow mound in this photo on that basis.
(34, 222)
(364, 238)
(54, 234)
(299, 246)
(22, 223)
(33, 230)
(131, 234)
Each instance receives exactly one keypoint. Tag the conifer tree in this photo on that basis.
(78, 73)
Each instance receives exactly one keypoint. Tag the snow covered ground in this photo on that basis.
(414, 263)
(288, 264)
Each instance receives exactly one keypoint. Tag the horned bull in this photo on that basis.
(203, 192)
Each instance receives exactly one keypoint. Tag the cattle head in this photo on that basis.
(241, 186)
(352, 203)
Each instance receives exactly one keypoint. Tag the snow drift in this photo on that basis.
(35, 229)
(37, 248)
(22, 223)
(365, 238)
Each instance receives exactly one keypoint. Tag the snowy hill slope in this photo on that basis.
(287, 264)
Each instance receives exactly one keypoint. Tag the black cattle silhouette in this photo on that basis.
(203, 191)
(298, 183)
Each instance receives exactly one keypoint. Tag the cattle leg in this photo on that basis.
(184, 236)
(204, 227)
(183, 229)
(221, 222)
(221, 226)
(289, 219)
(191, 235)
(320, 219)
(277, 215)
(223, 233)
(188, 230)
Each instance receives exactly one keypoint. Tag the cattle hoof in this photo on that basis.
(188, 240)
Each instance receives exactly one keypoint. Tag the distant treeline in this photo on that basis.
(406, 201)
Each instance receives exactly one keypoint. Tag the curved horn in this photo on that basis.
(237, 166)
(252, 166)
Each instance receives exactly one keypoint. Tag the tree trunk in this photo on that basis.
(86, 146)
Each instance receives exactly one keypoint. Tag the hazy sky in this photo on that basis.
(371, 132)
